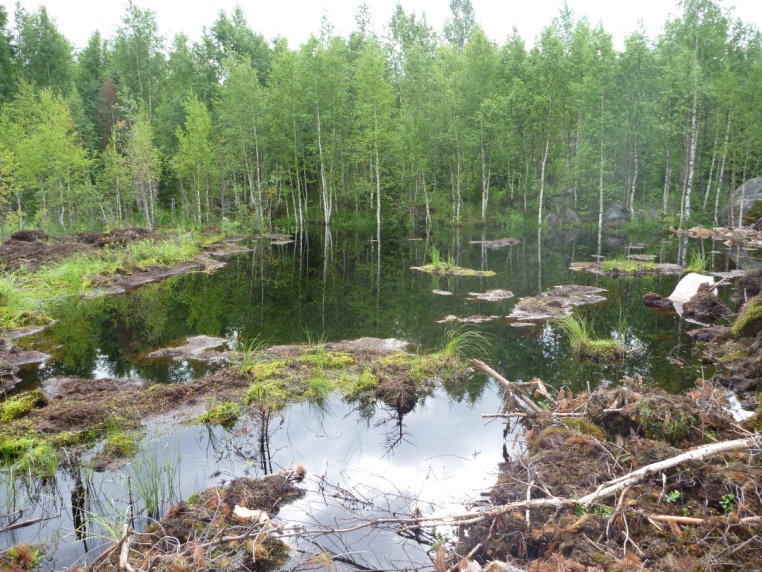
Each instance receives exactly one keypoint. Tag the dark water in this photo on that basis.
(338, 287)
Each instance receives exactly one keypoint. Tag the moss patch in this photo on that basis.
(20, 405)
(749, 321)
(445, 269)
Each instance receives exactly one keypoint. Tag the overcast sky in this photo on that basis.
(297, 19)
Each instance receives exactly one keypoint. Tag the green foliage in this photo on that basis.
(120, 445)
(697, 262)
(464, 342)
(318, 388)
(19, 405)
(225, 414)
(728, 503)
(626, 266)
(39, 461)
(580, 335)
(673, 496)
(155, 477)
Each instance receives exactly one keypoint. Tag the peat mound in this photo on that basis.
(627, 478)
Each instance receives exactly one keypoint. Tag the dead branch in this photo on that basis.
(512, 388)
(691, 521)
(695, 454)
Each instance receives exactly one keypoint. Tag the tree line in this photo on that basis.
(414, 125)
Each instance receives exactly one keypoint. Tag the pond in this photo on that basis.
(361, 463)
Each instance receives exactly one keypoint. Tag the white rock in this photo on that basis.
(689, 286)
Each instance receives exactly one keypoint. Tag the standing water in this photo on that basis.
(363, 463)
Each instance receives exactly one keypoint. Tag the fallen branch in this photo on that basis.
(696, 454)
(512, 388)
(691, 521)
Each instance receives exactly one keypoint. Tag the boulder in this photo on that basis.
(615, 215)
(748, 199)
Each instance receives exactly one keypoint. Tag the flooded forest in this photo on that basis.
(409, 299)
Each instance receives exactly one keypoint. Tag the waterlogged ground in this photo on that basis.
(361, 461)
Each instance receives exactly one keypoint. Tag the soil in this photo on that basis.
(11, 358)
(79, 411)
(496, 244)
(705, 306)
(556, 302)
(34, 248)
(491, 295)
(654, 300)
(641, 268)
(616, 431)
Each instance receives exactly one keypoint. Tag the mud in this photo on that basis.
(556, 302)
(705, 306)
(638, 268)
(496, 244)
(202, 348)
(468, 320)
(11, 358)
(80, 411)
(33, 249)
(617, 431)
(491, 295)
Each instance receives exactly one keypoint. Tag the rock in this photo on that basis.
(491, 295)
(615, 215)
(705, 306)
(688, 287)
(749, 201)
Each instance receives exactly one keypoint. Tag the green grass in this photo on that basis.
(461, 341)
(697, 262)
(25, 297)
(38, 461)
(626, 266)
(580, 335)
(155, 478)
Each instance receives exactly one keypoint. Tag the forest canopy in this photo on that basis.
(410, 127)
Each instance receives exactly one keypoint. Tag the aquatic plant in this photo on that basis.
(462, 341)
(154, 477)
(697, 262)
(627, 266)
(120, 444)
(580, 335)
(39, 461)
(245, 353)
